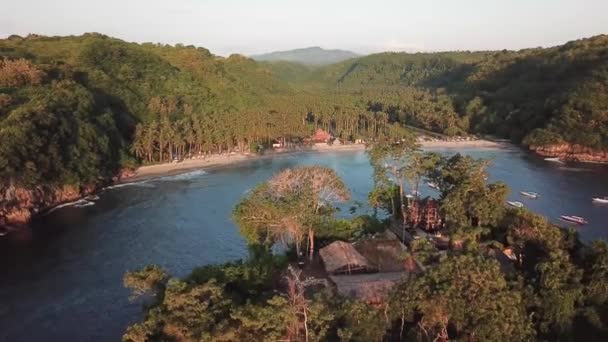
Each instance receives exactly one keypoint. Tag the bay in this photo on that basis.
(62, 279)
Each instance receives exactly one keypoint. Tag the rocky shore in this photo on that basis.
(18, 205)
(572, 152)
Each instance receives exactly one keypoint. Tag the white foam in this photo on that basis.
(143, 184)
(83, 203)
(77, 204)
(183, 176)
(61, 206)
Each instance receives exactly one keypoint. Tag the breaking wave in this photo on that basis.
(77, 204)
(83, 203)
(143, 184)
(182, 176)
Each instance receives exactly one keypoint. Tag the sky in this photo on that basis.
(257, 26)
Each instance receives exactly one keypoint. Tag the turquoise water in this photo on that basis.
(62, 280)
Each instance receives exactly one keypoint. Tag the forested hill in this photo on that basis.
(307, 56)
(77, 99)
(541, 96)
(70, 106)
(74, 110)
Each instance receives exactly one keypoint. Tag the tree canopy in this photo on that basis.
(152, 102)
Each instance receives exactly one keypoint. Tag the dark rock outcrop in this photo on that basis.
(572, 152)
(18, 204)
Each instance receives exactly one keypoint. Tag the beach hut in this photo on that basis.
(342, 258)
(321, 136)
(386, 255)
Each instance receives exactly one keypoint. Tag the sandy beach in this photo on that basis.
(234, 158)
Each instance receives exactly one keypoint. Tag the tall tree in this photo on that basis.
(290, 205)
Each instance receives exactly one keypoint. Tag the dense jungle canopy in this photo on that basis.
(74, 110)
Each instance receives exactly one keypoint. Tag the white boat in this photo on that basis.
(433, 185)
(529, 194)
(573, 219)
(554, 159)
(515, 204)
(410, 196)
(600, 199)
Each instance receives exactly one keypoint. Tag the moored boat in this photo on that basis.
(515, 204)
(600, 199)
(573, 219)
(554, 159)
(529, 194)
(433, 185)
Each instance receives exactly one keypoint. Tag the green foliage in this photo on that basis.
(243, 279)
(349, 229)
(150, 279)
(559, 293)
(294, 203)
(361, 323)
(62, 134)
(561, 90)
(466, 199)
(463, 297)
(596, 263)
(262, 321)
(423, 251)
(542, 137)
(196, 312)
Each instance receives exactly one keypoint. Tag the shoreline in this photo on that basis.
(229, 159)
(220, 160)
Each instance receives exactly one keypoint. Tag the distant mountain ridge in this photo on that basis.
(309, 56)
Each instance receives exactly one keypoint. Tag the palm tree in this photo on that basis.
(138, 147)
(150, 136)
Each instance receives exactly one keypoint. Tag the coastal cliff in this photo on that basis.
(18, 205)
(572, 152)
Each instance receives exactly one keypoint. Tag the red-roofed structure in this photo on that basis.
(321, 136)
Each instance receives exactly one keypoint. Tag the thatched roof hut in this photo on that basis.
(388, 255)
(342, 258)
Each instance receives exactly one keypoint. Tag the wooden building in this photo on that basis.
(424, 214)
